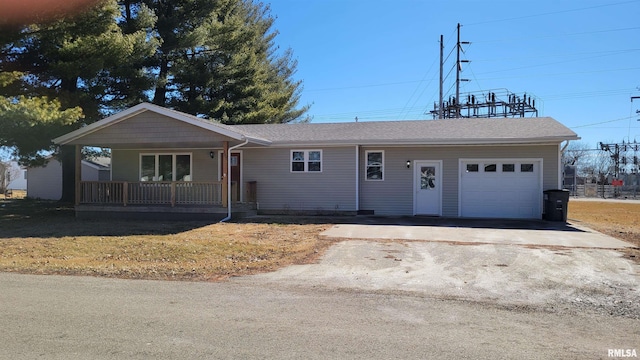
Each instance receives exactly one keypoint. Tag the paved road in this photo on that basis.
(54, 317)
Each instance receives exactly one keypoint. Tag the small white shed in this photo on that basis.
(45, 182)
(16, 177)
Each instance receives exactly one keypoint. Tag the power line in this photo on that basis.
(561, 74)
(365, 86)
(551, 13)
(416, 89)
(546, 56)
(601, 122)
(529, 38)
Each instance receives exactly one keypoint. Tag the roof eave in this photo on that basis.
(433, 142)
(140, 108)
(100, 124)
(257, 141)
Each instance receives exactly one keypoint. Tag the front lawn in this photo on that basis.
(45, 238)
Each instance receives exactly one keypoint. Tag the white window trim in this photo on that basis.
(366, 164)
(306, 161)
(173, 164)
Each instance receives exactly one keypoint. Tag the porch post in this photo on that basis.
(125, 193)
(225, 199)
(78, 174)
(173, 194)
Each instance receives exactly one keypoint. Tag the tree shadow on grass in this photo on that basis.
(28, 218)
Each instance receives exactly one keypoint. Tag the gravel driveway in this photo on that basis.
(529, 274)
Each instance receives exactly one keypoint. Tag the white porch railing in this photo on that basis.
(151, 193)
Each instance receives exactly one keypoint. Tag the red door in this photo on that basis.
(235, 176)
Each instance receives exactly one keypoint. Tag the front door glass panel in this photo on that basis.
(427, 177)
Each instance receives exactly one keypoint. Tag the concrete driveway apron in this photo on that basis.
(507, 232)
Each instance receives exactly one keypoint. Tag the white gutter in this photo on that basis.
(229, 179)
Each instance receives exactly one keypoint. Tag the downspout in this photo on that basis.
(229, 179)
(357, 178)
(560, 165)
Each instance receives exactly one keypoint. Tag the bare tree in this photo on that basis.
(7, 174)
(585, 158)
(575, 152)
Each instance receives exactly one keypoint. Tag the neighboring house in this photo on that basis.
(166, 161)
(16, 177)
(45, 182)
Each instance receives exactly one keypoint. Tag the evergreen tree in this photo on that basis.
(65, 73)
(217, 59)
(212, 58)
(28, 124)
(59, 72)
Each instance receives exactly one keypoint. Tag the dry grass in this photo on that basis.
(15, 194)
(618, 219)
(43, 238)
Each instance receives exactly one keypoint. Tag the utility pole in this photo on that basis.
(441, 103)
(458, 70)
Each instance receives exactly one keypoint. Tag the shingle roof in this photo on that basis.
(449, 131)
(427, 132)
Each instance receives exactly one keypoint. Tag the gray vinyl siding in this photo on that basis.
(125, 164)
(278, 189)
(394, 195)
(150, 128)
(104, 175)
(90, 173)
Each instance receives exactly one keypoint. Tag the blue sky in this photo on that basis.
(378, 59)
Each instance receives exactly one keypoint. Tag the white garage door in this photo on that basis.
(501, 188)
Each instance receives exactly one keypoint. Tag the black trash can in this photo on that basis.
(555, 205)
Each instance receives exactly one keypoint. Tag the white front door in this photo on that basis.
(427, 185)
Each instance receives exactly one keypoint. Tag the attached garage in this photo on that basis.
(501, 188)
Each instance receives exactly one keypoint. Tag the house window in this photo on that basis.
(508, 168)
(375, 165)
(472, 167)
(306, 161)
(165, 167)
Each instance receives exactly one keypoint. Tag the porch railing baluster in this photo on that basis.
(151, 193)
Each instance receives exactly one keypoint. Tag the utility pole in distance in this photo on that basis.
(441, 103)
(459, 69)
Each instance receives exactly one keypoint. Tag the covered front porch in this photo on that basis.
(164, 164)
(167, 200)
